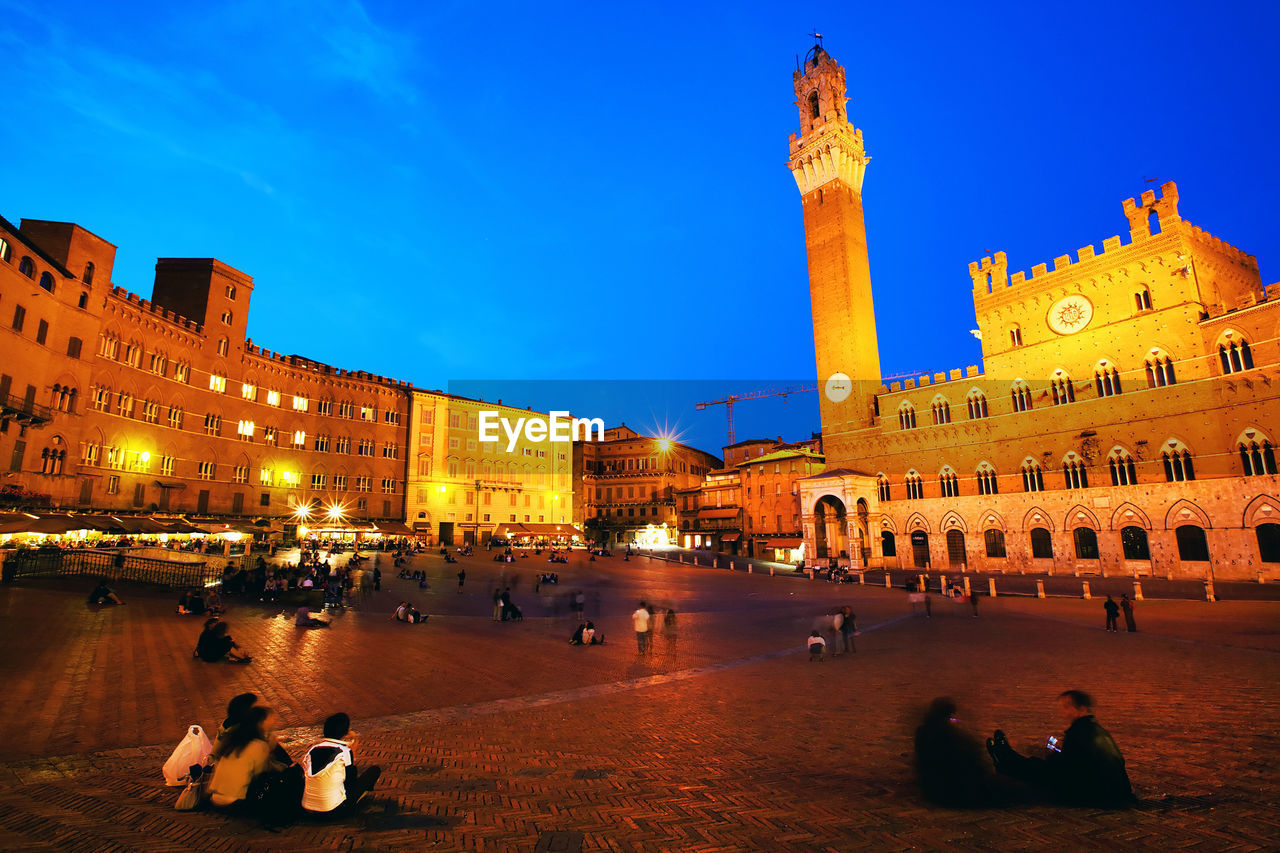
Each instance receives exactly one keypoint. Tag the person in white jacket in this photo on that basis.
(329, 770)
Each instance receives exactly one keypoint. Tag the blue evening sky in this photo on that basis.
(502, 191)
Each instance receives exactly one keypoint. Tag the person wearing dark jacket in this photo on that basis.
(1113, 613)
(949, 761)
(1085, 769)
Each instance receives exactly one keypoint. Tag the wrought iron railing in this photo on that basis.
(114, 565)
(22, 409)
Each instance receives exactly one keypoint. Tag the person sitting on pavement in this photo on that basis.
(243, 755)
(817, 646)
(103, 594)
(237, 709)
(577, 639)
(215, 644)
(406, 612)
(592, 637)
(303, 619)
(1085, 768)
(191, 603)
(329, 770)
(949, 761)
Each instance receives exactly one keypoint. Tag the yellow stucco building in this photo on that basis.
(462, 488)
(1122, 422)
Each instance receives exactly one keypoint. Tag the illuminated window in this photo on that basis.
(240, 474)
(245, 430)
(273, 398)
(977, 405)
(367, 413)
(269, 434)
(299, 438)
(124, 404)
(150, 411)
(182, 372)
(987, 484)
(101, 399)
(1021, 395)
(266, 477)
(340, 482)
(290, 479)
(1064, 390)
(915, 486)
(249, 391)
(1235, 356)
(175, 417)
(1032, 477)
(1123, 471)
(89, 454)
(300, 404)
(1160, 371)
(206, 470)
(6, 253)
(217, 383)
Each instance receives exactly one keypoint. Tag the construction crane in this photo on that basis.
(728, 402)
(752, 395)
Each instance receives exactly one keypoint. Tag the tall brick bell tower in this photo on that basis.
(829, 162)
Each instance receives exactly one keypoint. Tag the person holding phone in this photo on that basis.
(1084, 768)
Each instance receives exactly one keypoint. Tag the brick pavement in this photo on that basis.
(499, 737)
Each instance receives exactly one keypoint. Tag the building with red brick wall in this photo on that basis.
(170, 408)
(1123, 422)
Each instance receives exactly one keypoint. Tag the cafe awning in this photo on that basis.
(392, 528)
(731, 537)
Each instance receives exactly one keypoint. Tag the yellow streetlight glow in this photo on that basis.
(335, 512)
(145, 456)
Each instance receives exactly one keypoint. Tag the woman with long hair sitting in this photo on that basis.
(243, 754)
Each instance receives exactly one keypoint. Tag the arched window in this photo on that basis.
(84, 301)
(987, 480)
(915, 486)
(1015, 335)
(995, 543)
(52, 459)
(5, 252)
(1106, 379)
(1235, 356)
(1177, 463)
(949, 482)
(814, 109)
(882, 487)
(1064, 391)
(956, 553)
(1073, 471)
(87, 278)
(1086, 540)
(1021, 395)
(1142, 299)
(888, 547)
(941, 411)
(977, 405)
(1123, 471)
(1193, 547)
(46, 281)
(224, 346)
(1257, 457)
(27, 267)
(1160, 370)
(1269, 542)
(1032, 476)
(1134, 542)
(907, 416)
(1041, 544)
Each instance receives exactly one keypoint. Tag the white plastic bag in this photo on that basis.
(193, 749)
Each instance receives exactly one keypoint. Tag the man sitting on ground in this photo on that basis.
(304, 619)
(103, 594)
(329, 771)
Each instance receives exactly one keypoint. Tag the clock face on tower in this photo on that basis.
(1070, 314)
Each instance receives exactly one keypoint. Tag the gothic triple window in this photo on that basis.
(949, 482)
(1235, 356)
(1063, 390)
(987, 480)
(1032, 476)
(907, 416)
(941, 411)
(915, 486)
(1021, 394)
(882, 487)
(1123, 471)
(1257, 457)
(1160, 370)
(1074, 473)
(1106, 380)
(1178, 466)
(977, 405)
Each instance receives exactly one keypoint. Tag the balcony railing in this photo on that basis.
(23, 411)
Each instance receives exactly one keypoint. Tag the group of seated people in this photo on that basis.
(246, 753)
(557, 557)
(406, 612)
(196, 603)
(215, 644)
(587, 635)
(465, 551)
(549, 577)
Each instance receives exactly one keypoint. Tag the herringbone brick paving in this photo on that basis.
(493, 737)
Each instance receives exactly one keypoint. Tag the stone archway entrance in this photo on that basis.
(830, 525)
(920, 549)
